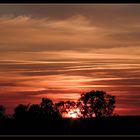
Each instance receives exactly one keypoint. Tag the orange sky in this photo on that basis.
(61, 51)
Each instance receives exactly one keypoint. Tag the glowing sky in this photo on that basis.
(61, 51)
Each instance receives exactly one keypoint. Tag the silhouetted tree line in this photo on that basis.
(93, 109)
(90, 104)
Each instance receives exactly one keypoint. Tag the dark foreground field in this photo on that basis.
(103, 126)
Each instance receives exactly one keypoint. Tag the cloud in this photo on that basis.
(7, 84)
(40, 34)
(77, 32)
(30, 33)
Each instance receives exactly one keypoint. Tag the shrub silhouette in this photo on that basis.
(96, 104)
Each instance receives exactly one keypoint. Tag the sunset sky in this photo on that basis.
(60, 51)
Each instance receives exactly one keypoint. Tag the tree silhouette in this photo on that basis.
(96, 104)
(35, 112)
(20, 112)
(2, 112)
(91, 104)
(48, 109)
(64, 107)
